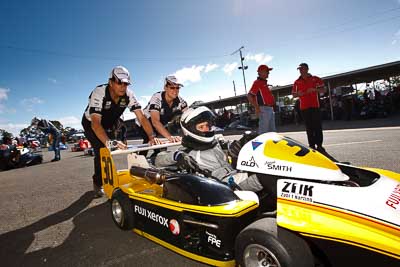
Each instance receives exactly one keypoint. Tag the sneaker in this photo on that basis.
(98, 191)
(53, 160)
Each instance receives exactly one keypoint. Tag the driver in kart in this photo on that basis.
(203, 153)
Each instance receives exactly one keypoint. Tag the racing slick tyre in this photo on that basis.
(122, 210)
(263, 243)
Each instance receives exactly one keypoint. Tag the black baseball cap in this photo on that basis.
(303, 65)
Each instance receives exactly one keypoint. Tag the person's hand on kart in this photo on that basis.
(115, 144)
(154, 141)
(174, 139)
(185, 162)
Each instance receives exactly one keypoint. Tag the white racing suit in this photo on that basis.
(215, 161)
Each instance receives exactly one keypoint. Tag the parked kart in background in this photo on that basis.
(81, 145)
(235, 125)
(206, 220)
(88, 151)
(16, 157)
(62, 147)
(33, 143)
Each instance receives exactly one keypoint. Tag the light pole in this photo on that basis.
(242, 67)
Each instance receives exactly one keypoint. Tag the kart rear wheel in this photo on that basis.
(263, 243)
(122, 210)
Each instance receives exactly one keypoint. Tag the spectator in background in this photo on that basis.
(263, 101)
(48, 128)
(307, 87)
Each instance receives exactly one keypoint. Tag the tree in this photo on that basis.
(395, 81)
(5, 134)
(58, 125)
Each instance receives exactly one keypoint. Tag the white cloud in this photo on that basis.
(29, 103)
(212, 94)
(144, 100)
(70, 121)
(229, 68)
(129, 115)
(4, 93)
(3, 98)
(260, 58)
(210, 67)
(192, 74)
(396, 37)
(52, 80)
(5, 109)
(13, 128)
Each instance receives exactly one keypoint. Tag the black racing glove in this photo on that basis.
(186, 162)
(236, 146)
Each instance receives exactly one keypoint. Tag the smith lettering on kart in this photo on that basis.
(271, 165)
(394, 199)
(297, 191)
(152, 215)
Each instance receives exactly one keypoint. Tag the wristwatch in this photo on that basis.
(112, 143)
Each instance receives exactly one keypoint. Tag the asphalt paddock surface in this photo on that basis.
(48, 215)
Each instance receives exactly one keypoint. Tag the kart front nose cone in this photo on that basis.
(256, 255)
(117, 212)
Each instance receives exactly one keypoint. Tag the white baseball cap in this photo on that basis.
(121, 73)
(173, 79)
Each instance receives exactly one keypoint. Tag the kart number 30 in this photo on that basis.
(109, 178)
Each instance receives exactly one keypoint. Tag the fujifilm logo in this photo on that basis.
(151, 215)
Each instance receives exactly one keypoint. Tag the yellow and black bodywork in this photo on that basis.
(366, 217)
(318, 198)
(194, 216)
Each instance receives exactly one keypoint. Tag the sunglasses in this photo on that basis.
(174, 87)
(119, 82)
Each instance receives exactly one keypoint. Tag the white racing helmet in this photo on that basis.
(194, 116)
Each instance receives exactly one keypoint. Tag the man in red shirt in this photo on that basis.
(307, 87)
(263, 101)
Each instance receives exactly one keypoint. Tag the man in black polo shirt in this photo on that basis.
(106, 104)
(163, 107)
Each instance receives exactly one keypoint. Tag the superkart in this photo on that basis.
(12, 157)
(208, 221)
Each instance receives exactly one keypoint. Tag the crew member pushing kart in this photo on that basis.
(203, 153)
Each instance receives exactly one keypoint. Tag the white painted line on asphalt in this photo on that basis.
(354, 143)
(364, 129)
(349, 130)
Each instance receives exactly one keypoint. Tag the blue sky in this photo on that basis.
(53, 54)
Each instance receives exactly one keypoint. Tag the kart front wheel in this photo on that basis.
(263, 243)
(122, 210)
